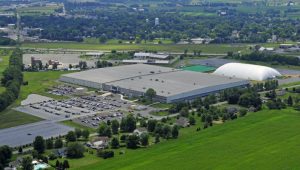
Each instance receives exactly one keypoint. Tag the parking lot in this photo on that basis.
(25, 134)
(76, 107)
(94, 120)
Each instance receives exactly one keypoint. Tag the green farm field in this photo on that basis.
(211, 48)
(262, 140)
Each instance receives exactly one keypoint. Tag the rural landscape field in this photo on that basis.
(148, 84)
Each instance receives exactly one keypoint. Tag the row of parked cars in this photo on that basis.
(63, 90)
(96, 103)
(93, 121)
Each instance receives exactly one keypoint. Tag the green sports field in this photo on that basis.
(199, 68)
(262, 140)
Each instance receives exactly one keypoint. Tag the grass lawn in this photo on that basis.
(210, 48)
(39, 82)
(262, 140)
(161, 105)
(11, 118)
(160, 113)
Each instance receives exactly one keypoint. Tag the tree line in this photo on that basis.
(12, 80)
(128, 25)
(274, 59)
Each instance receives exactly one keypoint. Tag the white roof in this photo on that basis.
(247, 71)
(152, 55)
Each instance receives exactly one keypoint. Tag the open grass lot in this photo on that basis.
(39, 82)
(262, 140)
(11, 118)
(211, 48)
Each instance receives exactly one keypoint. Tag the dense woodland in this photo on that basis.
(127, 25)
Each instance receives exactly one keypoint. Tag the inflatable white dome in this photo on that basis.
(247, 71)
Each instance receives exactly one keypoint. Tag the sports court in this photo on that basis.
(199, 68)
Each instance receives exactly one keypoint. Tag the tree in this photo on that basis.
(151, 125)
(39, 144)
(150, 93)
(175, 131)
(157, 138)
(128, 124)
(27, 163)
(75, 150)
(132, 141)
(20, 150)
(103, 39)
(71, 136)
(143, 123)
(115, 126)
(5, 155)
(105, 154)
(58, 143)
(290, 101)
(192, 120)
(66, 164)
(85, 133)
(184, 112)
(144, 138)
(57, 164)
(243, 112)
(166, 131)
(104, 130)
(115, 143)
(78, 132)
(49, 144)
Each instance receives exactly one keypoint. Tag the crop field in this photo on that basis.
(210, 48)
(263, 140)
(38, 10)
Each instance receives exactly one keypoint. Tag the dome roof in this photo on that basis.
(247, 71)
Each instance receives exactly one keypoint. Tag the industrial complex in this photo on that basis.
(171, 85)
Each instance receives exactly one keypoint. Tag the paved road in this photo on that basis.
(288, 80)
(25, 134)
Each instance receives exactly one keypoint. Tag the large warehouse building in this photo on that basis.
(171, 85)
